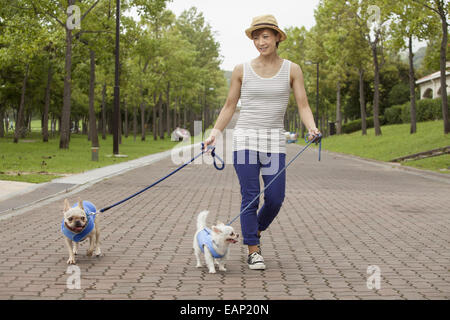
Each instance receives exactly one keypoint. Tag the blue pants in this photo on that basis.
(248, 165)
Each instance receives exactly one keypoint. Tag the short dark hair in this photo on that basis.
(275, 33)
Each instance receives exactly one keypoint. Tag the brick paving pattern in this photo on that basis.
(340, 216)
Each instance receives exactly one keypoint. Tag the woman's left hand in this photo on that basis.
(313, 133)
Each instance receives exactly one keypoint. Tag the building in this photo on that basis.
(430, 85)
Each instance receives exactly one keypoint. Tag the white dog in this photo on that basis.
(214, 243)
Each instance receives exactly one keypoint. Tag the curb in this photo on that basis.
(436, 176)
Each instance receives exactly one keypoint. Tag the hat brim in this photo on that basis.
(249, 31)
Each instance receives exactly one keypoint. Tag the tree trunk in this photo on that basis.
(47, 102)
(6, 123)
(19, 130)
(2, 122)
(443, 68)
(154, 119)
(168, 114)
(376, 93)
(92, 120)
(65, 116)
(126, 119)
(185, 117)
(338, 109)
(134, 123)
(160, 117)
(142, 121)
(53, 124)
(362, 103)
(177, 102)
(85, 125)
(412, 94)
(120, 129)
(104, 112)
(27, 124)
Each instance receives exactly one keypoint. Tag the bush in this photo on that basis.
(393, 114)
(355, 125)
(426, 110)
(399, 94)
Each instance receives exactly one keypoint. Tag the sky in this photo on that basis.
(230, 18)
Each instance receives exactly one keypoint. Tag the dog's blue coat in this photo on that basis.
(204, 238)
(90, 210)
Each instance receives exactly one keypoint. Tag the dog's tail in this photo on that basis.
(201, 219)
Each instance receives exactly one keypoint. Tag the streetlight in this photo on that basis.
(317, 90)
(116, 86)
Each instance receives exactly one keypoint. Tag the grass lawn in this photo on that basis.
(395, 141)
(32, 160)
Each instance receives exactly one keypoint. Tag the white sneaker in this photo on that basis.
(256, 261)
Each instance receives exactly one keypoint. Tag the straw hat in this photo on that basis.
(265, 21)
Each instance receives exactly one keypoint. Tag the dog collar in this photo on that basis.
(90, 211)
(204, 238)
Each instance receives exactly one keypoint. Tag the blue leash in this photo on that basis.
(213, 154)
(317, 140)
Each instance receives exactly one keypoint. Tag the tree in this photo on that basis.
(441, 8)
(59, 12)
(409, 23)
(293, 49)
(376, 19)
(21, 39)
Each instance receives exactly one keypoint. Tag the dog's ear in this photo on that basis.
(216, 230)
(66, 205)
(80, 204)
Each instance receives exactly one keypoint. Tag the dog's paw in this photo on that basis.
(199, 265)
(90, 252)
(222, 268)
(75, 251)
(212, 270)
(71, 260)
(98, 252)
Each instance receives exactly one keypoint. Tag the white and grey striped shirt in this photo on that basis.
(260, 125)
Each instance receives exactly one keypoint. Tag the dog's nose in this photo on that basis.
(78, 224)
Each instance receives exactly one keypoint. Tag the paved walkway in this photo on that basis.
(340, 216)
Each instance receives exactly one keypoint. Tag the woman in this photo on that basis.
(263, 85)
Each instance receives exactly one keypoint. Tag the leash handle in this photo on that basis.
(317, 140)
(214, 155)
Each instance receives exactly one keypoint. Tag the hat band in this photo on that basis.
(265, 24)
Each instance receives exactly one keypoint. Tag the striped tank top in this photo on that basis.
(260, 126)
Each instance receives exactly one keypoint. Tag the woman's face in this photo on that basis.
(265, 41)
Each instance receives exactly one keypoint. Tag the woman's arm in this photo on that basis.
(298, 86)
(229, 108)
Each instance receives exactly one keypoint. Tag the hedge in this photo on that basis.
(426, 110)
(355, 125)
(393, 114)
